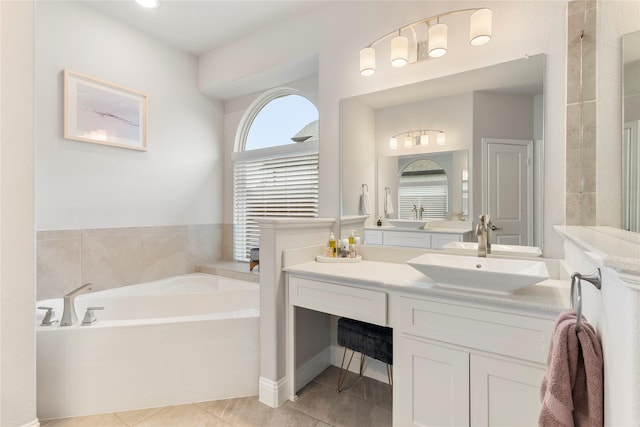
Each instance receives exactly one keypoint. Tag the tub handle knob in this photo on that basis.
(89, 316)
(49, 317)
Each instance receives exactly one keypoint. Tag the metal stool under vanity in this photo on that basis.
(368, 340)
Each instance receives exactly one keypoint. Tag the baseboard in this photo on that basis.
(312, 368)
(34, 423)
(272, 393)
(372, 368)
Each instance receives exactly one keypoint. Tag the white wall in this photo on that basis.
(17, 247)
(82, 185)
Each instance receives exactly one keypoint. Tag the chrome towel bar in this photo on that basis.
(595, 278)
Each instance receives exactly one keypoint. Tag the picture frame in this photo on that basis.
(102, 112)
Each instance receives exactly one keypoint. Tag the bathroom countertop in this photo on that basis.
(611, 247)
(549, 296)
(443, 230)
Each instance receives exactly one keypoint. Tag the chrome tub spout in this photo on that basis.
(69, 312)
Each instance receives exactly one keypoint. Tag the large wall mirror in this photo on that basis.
(631, 134)
(446, 144)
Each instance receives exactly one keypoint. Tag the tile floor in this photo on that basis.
(363, 402)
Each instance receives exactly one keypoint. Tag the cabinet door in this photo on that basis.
(433, 384)
(439, 240)
(504, 393)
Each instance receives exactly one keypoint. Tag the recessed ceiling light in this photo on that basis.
(148, 3)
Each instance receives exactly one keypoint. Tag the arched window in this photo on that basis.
(423, 183)
(275, 166)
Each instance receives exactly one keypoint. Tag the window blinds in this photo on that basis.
(284, 185)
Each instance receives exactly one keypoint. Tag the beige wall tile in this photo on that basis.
(205, 244)
(58, 234)
(58, 263)
(111, 262)
(572, 209)
(164, 252)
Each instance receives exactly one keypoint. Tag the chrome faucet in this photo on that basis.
(420, 212)
(414, 209)
(69, 312)
(482, 233)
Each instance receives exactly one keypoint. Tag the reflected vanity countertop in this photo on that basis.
(548, 296)
(612, 247)
(443, 230)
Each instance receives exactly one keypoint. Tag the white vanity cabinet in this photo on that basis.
(465, 365)
(410, 238)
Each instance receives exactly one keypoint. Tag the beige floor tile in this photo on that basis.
(132, 418)
(374, 391)
(249, 412)
(104, 420)
(182, 416)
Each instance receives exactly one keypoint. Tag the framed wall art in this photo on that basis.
(106, 113)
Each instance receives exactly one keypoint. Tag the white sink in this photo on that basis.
(413, 224)
(496, 275)
(471, 248)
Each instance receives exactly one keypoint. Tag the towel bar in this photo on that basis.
(595, 278)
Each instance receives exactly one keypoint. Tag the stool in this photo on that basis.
(368, 340)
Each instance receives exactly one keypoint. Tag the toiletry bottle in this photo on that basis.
(379, 223)
(332, 245)
(352, 244)
(345, 247)
(352, 237)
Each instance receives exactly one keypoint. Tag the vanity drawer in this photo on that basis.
(373, 237)
(407, 238)
(519, 336)
(340, 300)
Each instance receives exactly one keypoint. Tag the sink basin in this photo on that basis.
(494, 275)
(413, 224)
(471, 248)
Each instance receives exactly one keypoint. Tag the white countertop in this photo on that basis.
(443, 230)
(612, 247)
(549, 295)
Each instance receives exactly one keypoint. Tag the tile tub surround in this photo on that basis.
(114, 257)
(580, 174)
(363, 402)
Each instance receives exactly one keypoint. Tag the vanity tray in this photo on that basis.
(322, 258)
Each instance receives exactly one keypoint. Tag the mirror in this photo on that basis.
(501, 103)
(631, 134)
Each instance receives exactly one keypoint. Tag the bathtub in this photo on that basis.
(184, 339)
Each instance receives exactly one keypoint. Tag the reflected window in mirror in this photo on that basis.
(423, 190)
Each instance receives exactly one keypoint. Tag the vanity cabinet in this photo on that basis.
(467, 365)
(416, 239)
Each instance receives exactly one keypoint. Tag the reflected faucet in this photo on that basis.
(483, 234)
(414, 209)
(69, 312)
(420, 212)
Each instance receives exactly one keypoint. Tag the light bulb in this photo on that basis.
(437, 40)
(393, 143)
(480, 27)
(367, 61)
(408, 141)
(399, 51)
(440, 138)
(424, 139)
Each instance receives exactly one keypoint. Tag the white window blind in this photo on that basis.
(280, 182)
(422, 190)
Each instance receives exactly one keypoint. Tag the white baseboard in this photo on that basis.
(272, 393)
(372, 368)
(312, 368)
(34, 423)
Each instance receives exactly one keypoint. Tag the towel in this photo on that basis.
(388, 204)
(364, 202)
(572, 389)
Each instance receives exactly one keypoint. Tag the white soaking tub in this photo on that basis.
(183, 339)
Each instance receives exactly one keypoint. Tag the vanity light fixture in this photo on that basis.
(419, 137)
(406, 42)
(150, 4)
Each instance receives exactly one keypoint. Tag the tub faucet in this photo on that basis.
(482, 234)
(69, 312)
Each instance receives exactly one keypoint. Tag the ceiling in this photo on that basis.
(200, 26)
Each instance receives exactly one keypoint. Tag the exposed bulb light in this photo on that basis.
(393, 143)
(367, 61)
(480, 27)
(437, 40)
(150, 4)
(399, 51)
(440, 138)
(424, 139)
(408, 141)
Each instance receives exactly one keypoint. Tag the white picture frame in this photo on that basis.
(105, 113)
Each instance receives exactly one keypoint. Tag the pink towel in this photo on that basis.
(572, 389)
